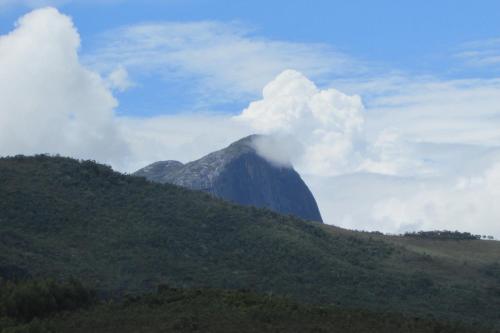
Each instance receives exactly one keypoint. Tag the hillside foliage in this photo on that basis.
(71, 308)
(62, 218)
(443, 235)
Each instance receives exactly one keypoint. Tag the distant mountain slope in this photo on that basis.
(238, 174)
(122, 234)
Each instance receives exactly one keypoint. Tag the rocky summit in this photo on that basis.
(240, 175)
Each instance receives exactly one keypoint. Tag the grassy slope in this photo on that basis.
(61, 218)
(465, 260)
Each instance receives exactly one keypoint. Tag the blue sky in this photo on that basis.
(390, 110)
(414, 37)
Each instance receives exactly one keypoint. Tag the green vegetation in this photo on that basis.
(61, 218)
(26, 300)
(192, 310)
(443, 235)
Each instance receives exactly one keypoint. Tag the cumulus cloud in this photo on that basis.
(324, 123)
(49, 102)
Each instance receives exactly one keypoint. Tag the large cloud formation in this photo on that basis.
(49, 102)
(375, 180)
(321, 131)
(323, 124)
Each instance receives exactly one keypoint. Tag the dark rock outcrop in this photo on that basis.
(238, 174)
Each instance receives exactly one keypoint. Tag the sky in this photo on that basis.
(389, 110)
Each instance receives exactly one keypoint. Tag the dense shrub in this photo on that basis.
(442, 235)
(26, 300)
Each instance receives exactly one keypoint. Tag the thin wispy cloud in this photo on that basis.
(224, 60)
(481, 53)
(430, 109)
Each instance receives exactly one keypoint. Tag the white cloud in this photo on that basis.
(49, 103)
(458, 111)
(389, 154)
(439, 131)
(223, 60)
(347, 200)
(470, 204)
(278, 149)
(119, 79)
(182, 137)
(325, 123)
(429, 109)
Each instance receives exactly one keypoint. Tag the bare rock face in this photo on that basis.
(240, 175)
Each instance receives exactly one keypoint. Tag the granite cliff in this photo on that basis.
(240, 175)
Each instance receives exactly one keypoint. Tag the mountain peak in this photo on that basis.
(239, 174)
(247, 141)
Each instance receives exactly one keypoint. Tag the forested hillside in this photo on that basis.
(119, 234)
